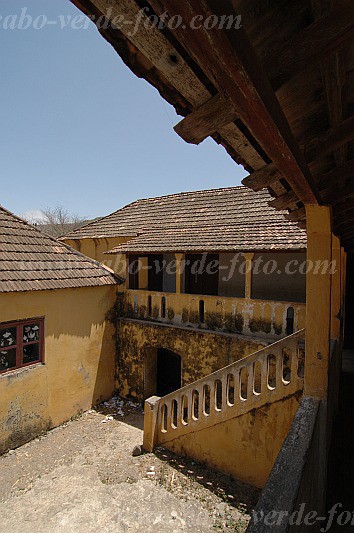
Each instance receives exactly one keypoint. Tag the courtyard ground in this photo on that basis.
(82, 478)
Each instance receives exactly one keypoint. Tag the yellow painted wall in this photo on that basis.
(202, 352)
(244, 447)
(95, 249)
(79, 365)
(238, 315)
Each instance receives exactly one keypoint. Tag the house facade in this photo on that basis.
(206, 283)
(57, 337)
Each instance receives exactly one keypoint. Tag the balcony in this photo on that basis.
(246, 316)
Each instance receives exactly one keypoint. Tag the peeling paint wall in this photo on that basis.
(245, 447)
(79, 364)
(267, 319)
(201, 352)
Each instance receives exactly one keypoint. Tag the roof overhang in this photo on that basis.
(277, 93)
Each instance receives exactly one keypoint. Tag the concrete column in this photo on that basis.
(318, 300)
(180, 258)
(248, 276)
(143, 273)
(336, 295)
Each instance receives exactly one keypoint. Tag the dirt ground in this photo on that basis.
(82, 477)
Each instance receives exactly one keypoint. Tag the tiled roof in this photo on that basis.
(234, 218)
(240, 237)
(31, 260)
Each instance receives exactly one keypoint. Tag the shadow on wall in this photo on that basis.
(79, 362)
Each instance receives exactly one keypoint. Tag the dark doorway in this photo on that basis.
(169, 368)
(202, 274)
(155, 275)
(349, 307)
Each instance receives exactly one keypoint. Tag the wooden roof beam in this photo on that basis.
(333, 80)
(344, 224)
(297, 216)
(206, 120)
(340, 209)
(154, 45)
(337, 175)
(233, 67)
(262, 178)
(325, 36)
(335, 196)
(331, 140)
(284, 201)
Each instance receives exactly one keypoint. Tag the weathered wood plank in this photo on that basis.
(333, 138)
(333, 85)
(334, 195)
(333, 77)
(262, 178)
(206, 120)
(238, 141)
(326, 35)
(285, 200)
(235, 70)
(337, 175)
(297, 215)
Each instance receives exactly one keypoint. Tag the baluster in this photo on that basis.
(189, 395)
(196, 400)
(169, 415)
(236, 374)
(278, 367)
(294, 361)
(175, 403)
(163, 423)
(250, 381)
(224, 392)
(212, 397)
(264, 373)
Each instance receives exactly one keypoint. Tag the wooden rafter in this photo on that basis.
(206, 120)
(338, 174)
(330, 140)
(333, 80)
(262, 178)
(335, 196)
(327, 34)
(284, 201)
(160, 52)
(297, 215)
(236, 71)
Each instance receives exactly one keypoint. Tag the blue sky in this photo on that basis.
(78, 129)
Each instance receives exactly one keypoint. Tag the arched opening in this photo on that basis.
(162, 372)
(290, 321)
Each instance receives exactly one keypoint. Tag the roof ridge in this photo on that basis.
(193, 192)
(60, 243)
(173, 195)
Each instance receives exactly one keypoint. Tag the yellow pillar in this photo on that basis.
(343, 287)
(248, 276)
(318, 300)
(336, 295)
(150, 419)
(180, 258)
(143, 273)
(318, 328)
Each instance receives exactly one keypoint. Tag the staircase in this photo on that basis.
(269, 375)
